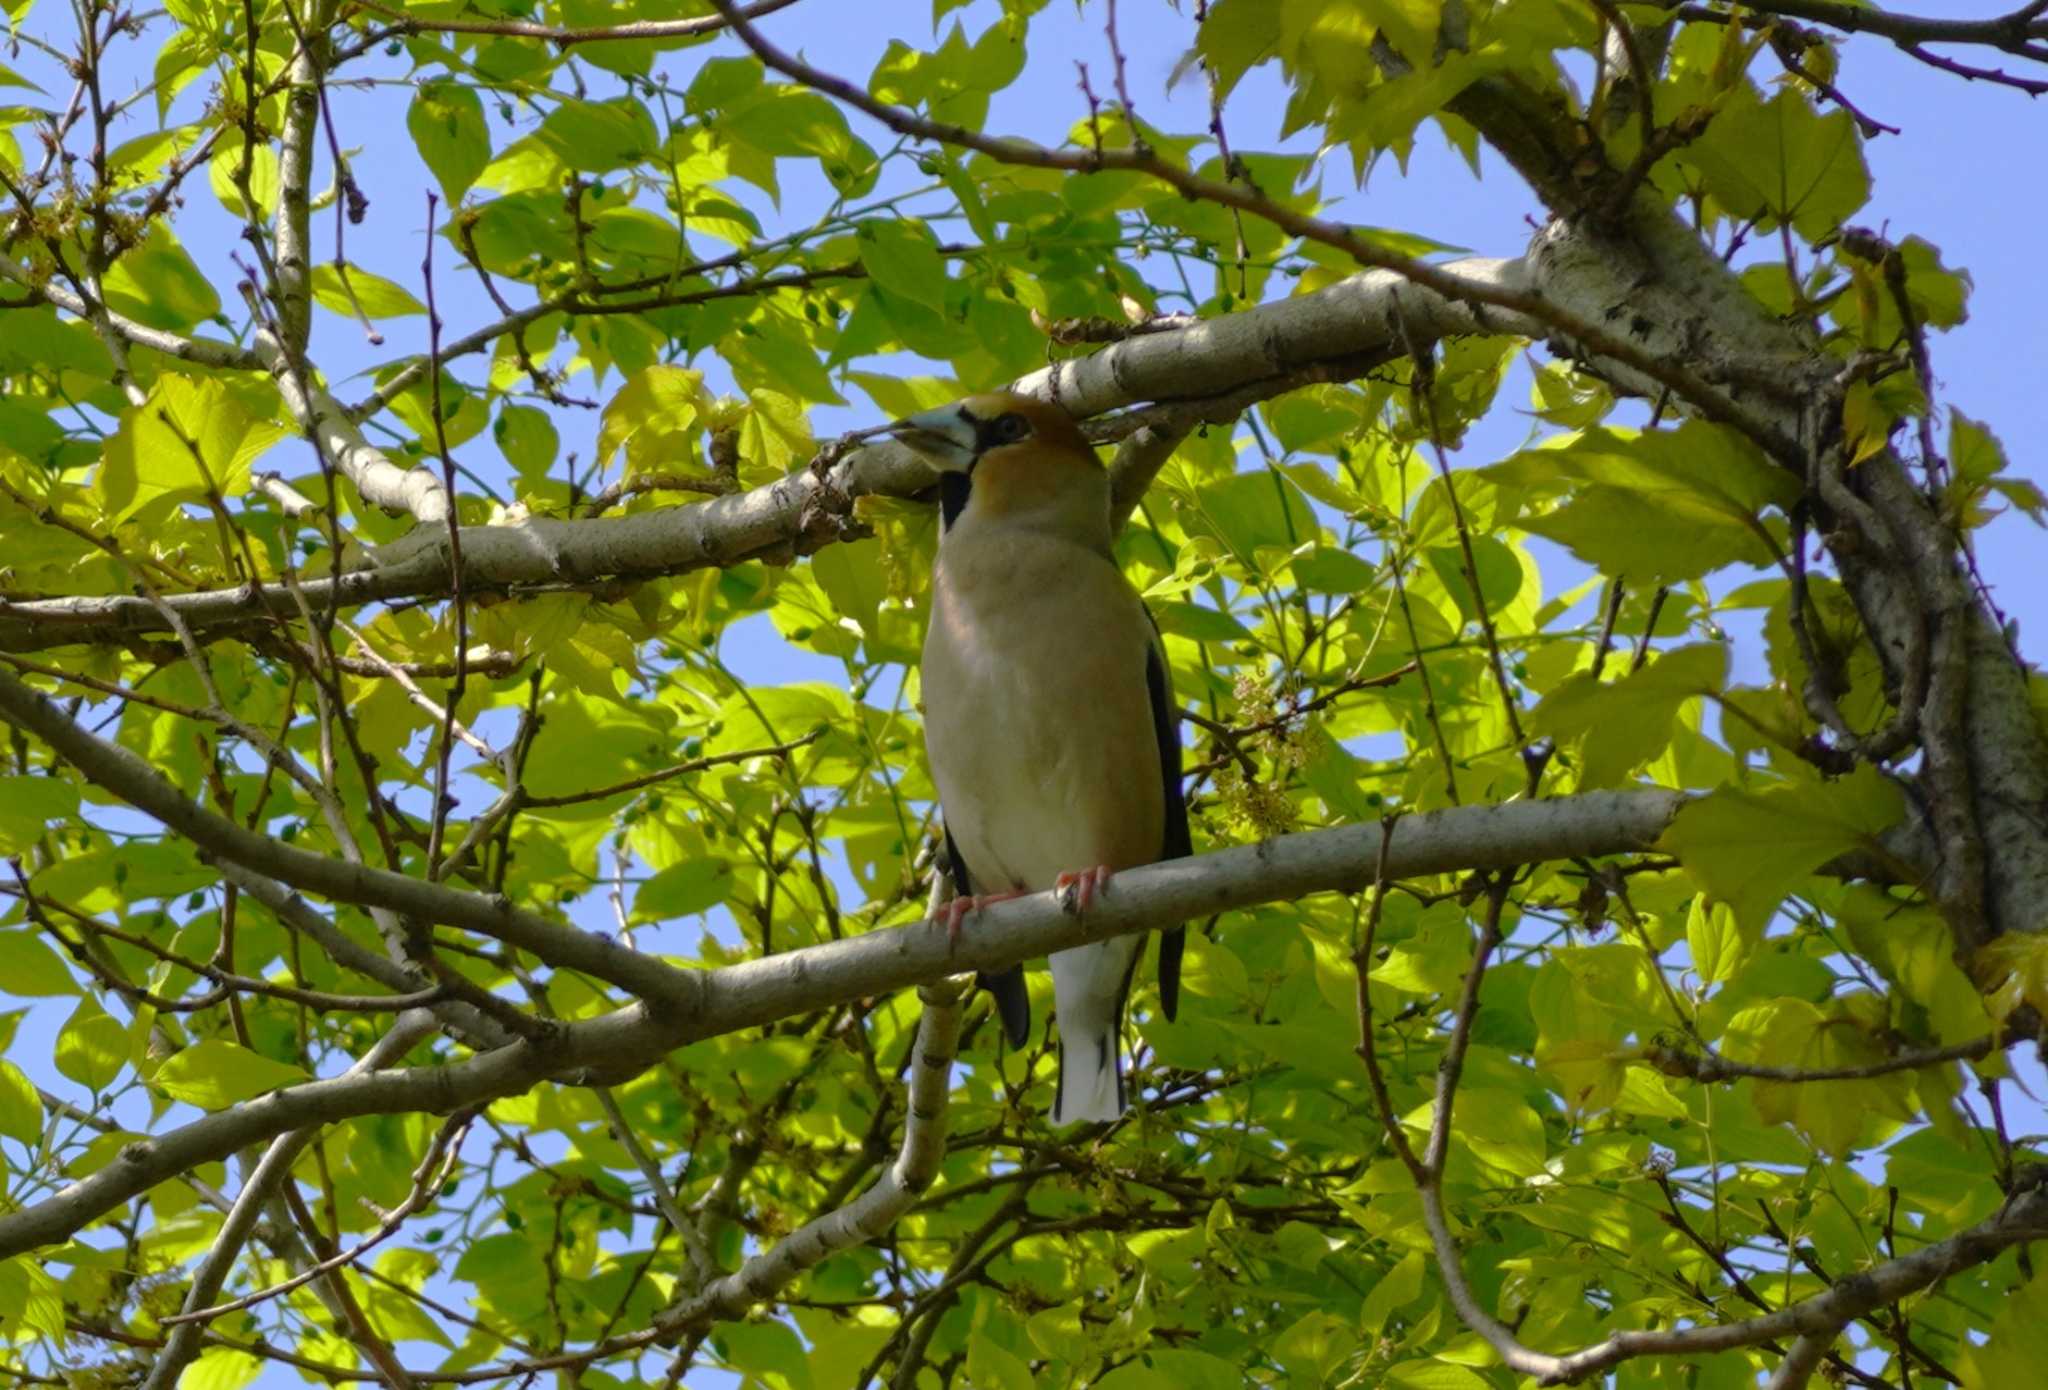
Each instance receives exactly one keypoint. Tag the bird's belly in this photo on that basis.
(1048, 762)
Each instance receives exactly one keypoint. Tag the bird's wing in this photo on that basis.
(1013, 1002)
(1177, 843)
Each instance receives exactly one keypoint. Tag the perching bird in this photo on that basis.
(1048, 722)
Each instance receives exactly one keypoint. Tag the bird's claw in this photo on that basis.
(1079, 889)
(954, 914)
(951, 915)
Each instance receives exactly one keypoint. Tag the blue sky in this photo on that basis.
(1957, 175)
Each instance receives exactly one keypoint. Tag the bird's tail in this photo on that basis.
(1091, 1085)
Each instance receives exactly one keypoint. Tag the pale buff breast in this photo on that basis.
(1037, 721)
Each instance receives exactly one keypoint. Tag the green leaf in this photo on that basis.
(181, 59)
(586, 743)
(855, 579)
(30, 432)
(1237, 35)
(1499, 568)
(226, 175)
(21, 1110)
(654, 419)
(2017, 1345)
(528, 440)
(1781, 160)
(599, 136)
(683, 890)
(216, 1073)
(1749, 849)
(989, 1365)
(762, 1350)
(377, 297)
(91, 1047)
(790, 122)
(1656, 507)
(1435, 1375)
(723, 82)
(27, 804)
(446, 122)
(903, 258)
(1197, 622)
(1251, 511)
(1396, 1289)
(31, 1302)
(1715, 942)
(192, 435)
(1313, 1346)
(221, 1368)
(157, 284)
(29, 969)
(1502, 1129)
(148, 155)
(1617, 727)
(1329, 570)
(1794, 1033)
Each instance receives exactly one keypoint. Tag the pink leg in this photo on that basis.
(1082, 886)
(955, 912)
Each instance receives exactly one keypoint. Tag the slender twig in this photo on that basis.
(427, 1182)
(1708, 1065)
(1708, 399)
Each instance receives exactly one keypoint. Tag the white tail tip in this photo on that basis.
(1091, 1085)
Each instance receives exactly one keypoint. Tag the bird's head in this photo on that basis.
(1008, 457)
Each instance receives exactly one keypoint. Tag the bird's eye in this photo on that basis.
(1008, 429)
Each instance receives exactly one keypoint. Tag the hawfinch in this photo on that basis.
(1048, 722)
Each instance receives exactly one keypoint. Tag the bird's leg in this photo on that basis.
(1078, 889)
(957, 909)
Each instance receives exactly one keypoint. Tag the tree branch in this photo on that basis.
(875, 1210)
(273, 1169)
(756, 992)
(1208, 372)
(646, 30)
(123, 773)
(1666, 369)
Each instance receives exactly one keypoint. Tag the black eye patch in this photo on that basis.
(1004, 429)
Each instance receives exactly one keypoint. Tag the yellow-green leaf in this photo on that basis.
(91, 1047)
(373, 295)
(217, 1073)
(446, 122)
(21, 1111)
(1749, 849)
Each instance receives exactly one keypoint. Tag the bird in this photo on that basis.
(1050, 727)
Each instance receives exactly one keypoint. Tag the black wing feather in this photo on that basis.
(1013, 1001)
(1178, 844)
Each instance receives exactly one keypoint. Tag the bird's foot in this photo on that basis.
(954, 914)
(1079, 889)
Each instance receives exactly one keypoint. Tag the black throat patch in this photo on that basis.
(953, 491)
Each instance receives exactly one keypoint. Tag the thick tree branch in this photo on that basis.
(1209, 371)
(1985, 762)
(121, 772)
(761, 991)
(1583, 331)
(2007, 31)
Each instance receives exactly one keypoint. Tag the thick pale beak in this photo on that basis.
(944, 437)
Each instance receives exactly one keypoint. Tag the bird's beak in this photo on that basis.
(944, 437)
